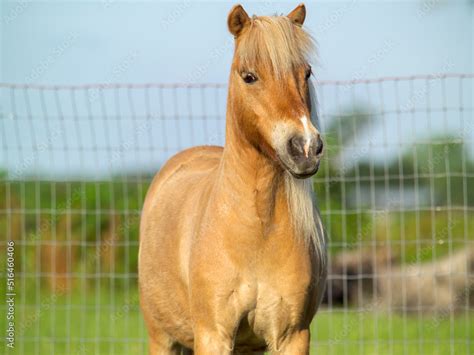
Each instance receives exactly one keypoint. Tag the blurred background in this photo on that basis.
(95, 96)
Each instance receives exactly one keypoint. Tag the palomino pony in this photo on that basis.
(232, 253)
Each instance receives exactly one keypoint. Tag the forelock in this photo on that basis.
(274, 44)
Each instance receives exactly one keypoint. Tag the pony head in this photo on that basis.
(270, 88)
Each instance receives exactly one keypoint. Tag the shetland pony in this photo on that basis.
(232, 254)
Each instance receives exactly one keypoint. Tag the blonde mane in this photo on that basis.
(304, 213)
(274, 44)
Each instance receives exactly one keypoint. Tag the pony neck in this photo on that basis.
(248, 172)
(248, 180)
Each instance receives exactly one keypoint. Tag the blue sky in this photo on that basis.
(83, 42)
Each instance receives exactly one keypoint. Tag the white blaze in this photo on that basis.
(307, 135)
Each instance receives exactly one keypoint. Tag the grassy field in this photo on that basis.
(78, 229)
(101, 322)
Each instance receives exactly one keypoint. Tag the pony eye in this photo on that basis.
(308, 73)
(249, 78)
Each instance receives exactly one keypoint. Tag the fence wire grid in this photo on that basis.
(395, 189)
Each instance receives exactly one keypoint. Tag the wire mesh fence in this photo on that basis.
(395, 191)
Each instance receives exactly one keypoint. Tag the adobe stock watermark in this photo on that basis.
(117, 71)
(15, 12)
(10, 295)
(54, 55)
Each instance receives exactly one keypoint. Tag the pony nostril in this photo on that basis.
(300, 148)
(296, 146)
(319, 146)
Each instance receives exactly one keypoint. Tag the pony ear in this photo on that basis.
(237, 20)
(298, 15)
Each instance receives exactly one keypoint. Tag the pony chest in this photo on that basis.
(285, 291)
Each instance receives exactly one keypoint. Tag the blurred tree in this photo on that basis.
(438, 168)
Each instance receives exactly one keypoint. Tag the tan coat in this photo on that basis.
(225, 264)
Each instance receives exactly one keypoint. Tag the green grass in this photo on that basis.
(355, 332)
(100, 322)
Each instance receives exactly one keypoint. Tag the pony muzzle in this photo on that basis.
(303, 155)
